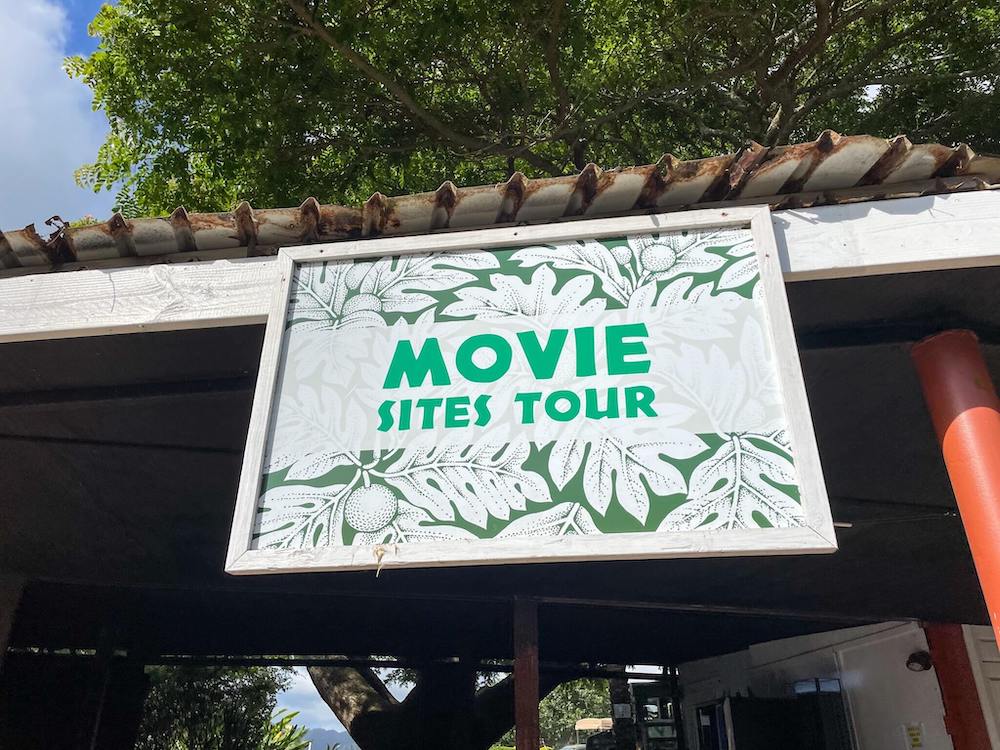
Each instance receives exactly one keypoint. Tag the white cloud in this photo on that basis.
(47, 129)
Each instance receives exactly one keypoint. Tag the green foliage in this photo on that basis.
(277, 101)
(225, 708)
(282, 734)
(559, 710)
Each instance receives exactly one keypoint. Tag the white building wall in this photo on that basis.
(882, 696)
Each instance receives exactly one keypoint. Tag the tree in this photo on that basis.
(277, 100)
(448, 707)
(564, 706)
(216, 708)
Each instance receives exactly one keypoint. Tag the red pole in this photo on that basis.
(963, 711)
(526, 731)
(966, 414)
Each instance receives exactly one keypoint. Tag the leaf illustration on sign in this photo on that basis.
(566, 519)
(763, 389)
(308, 426)
(705, 377)
(295, 515)
(411, 524)
(345, 294)
(509, 296)
(319, 292)
(479, 481)
(672, 255)
(408, 283)
(565, 459)
(746, 483)
(687, 314)
(623, 471)
(586, 255)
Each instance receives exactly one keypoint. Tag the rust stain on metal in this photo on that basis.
(121, 232)
(889, 162)
(865, 168)
(211, 222)
(809, 157)
(339, 222)
(584, 191)
(375, 215)
(443, 201)
(957, 162)
(515, 191)
(246, 227)
(660, 175)
(732, 181)
(8, 258)
(309, 213)
(183, 231)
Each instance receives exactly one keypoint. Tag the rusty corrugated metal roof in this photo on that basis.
(831, 169)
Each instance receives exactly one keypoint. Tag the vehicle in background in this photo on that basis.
(601, 741)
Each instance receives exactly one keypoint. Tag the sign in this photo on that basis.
(913, 735)
(624, 389)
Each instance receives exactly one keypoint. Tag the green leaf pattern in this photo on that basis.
(317, 492)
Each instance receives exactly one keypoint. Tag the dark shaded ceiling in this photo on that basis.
(121, 457)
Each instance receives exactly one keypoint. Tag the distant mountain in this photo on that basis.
(323, 738)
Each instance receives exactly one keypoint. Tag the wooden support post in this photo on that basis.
(122, 714)
(966, 413)
(623, 722)
(526, 689)
(963, 711)
(95, 697)
(10, 596)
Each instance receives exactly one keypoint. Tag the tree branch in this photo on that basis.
(847, 87)
(396, 89)
(552, 62)
(317, 28)
(824, 27)
(352, 693)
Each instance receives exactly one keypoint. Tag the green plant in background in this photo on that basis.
(282, 734)
(559, 711)
(217, 708)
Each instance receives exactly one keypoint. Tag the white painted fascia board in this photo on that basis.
(961, 230)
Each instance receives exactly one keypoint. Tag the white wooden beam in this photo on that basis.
(930, 233)
(135, 299)
(960, 230)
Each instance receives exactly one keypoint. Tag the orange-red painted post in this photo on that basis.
(963, 710)
(526, 687)
(966, 414)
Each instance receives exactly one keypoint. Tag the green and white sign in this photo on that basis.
(603, 389)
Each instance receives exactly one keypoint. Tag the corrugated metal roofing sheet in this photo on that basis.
(831, 169)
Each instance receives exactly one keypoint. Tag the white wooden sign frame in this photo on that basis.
(816, 535)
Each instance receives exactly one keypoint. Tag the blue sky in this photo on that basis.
(48, 128)
(78, 15)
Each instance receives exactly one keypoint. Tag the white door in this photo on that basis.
(985, 659)
(891, 707)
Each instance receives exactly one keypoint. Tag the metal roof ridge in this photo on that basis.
(831, 169)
